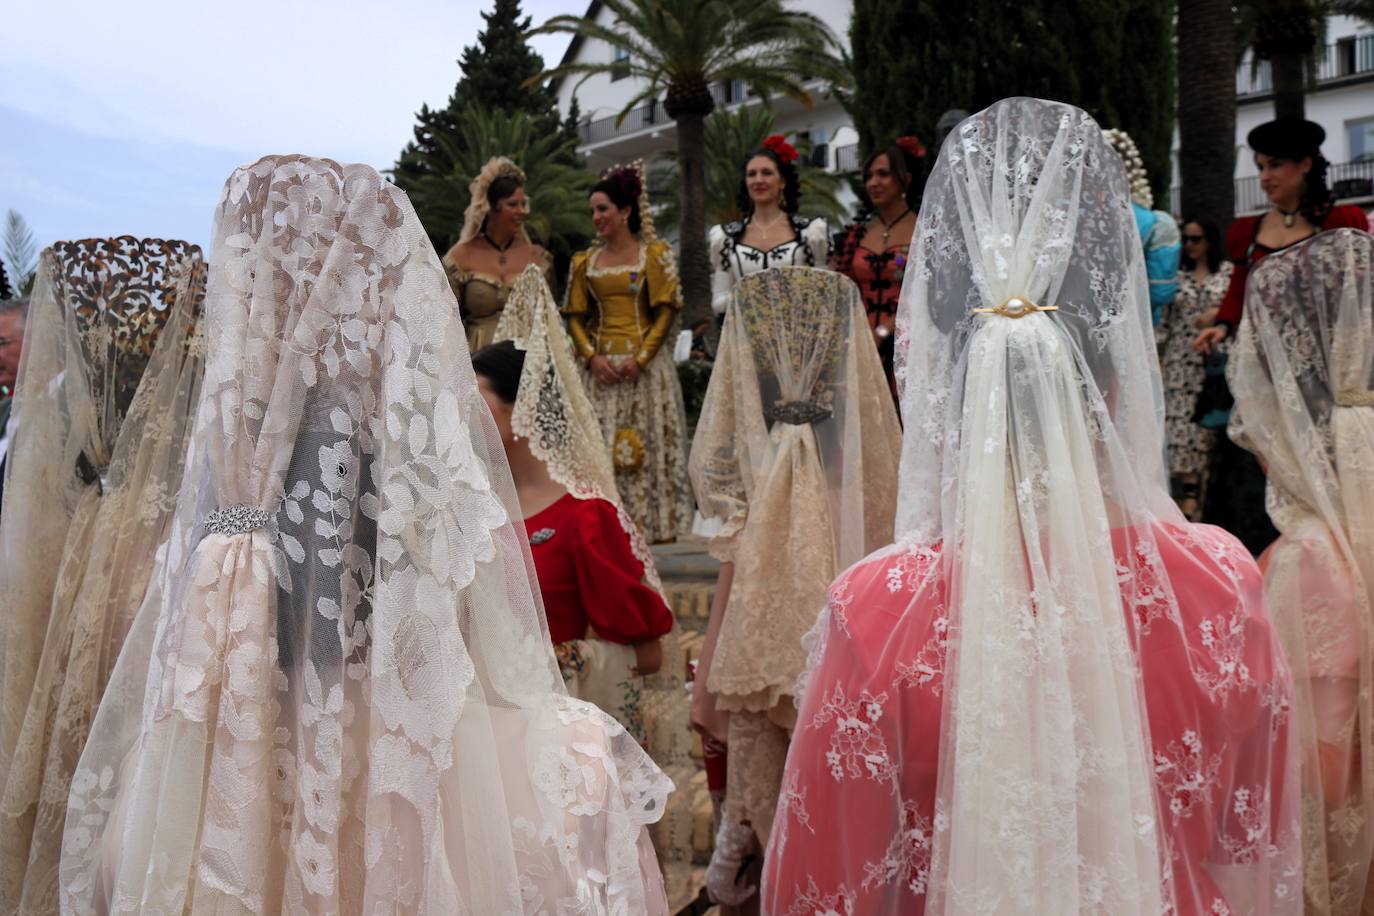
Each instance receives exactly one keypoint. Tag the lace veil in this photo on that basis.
(1302, 372)
(478, 208)
(108, 379)
(1034, 423)
(339, 694)
(796, 451)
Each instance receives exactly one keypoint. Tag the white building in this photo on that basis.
(647, 130)
(1341, 100)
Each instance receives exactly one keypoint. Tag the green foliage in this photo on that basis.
(5, 291)
(730, 136)
(21, 252)
(557, 190)
(915, 59)
(494, 72)
(680, 46)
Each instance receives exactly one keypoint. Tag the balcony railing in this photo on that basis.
(1340, 60)
(847, 158)
(1347, 180)
(636, 119)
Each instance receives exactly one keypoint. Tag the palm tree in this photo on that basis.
(557, 191)
(21, 251)
(1207, 107)
(678, 49)
(730, 135)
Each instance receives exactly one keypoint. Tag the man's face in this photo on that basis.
(11, 342)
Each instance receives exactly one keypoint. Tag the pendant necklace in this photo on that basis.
(887, 227)
(768, 228)
(1288, 217)
(500, 251)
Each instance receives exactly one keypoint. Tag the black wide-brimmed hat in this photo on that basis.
(1291, 138)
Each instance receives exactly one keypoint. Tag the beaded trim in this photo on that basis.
(797, 413)
(236, 520)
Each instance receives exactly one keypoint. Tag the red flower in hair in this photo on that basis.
(912, 145)
(778, 146)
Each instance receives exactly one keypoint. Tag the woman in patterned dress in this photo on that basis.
(1201, 285)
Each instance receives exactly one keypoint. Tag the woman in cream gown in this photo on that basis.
(339, 695)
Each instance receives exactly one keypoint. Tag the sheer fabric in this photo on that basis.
(552, 413)
(110, 369)
(339, 694)
(796, 452)
(1302, 371)
(988, 691)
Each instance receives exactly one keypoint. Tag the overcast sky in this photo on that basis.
(126, 117)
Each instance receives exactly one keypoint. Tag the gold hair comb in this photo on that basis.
(1017, 307)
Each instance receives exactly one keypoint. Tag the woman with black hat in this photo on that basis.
(1292, 174)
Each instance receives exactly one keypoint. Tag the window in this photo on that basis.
(820, 147)
(1345, 56)
(620, 63)
(1360, 138)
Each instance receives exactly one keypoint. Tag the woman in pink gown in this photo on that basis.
(1052, 695)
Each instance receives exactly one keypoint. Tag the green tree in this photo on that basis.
(678, 49)
(494, 76)
(557, 190)
(21, 251)
(915, 59)
(730, 136)
(5, 291)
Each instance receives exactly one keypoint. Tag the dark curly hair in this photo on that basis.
(1317, 198)
(1212, 233)
(622, 186)
(904, 167)
(501, 364)
(791, 182)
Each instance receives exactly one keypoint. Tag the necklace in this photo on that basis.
(500, 250)
(887, 227)
(767, 228)
(1289, 216)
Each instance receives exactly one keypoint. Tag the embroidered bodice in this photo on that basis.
(732, 259)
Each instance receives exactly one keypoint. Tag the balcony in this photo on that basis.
(1349, 181)
(847, 158)
(1347, 60)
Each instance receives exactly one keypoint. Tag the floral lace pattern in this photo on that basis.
(301, 710)
(1306, 340)
(112, 364)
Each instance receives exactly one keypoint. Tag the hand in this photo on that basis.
(1207, 318)
(630, 370)
(648, 656)
(603, 370)
(723, 882)
(1207, 340)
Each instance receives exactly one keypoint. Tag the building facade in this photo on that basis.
(647, 131)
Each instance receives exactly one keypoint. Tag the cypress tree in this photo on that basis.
(915, 59)
(493, 73)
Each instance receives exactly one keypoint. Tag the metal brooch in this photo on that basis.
(236, 520)
(542, 536)
(797, 413)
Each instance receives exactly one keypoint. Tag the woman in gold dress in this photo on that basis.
(492, 249)
(622, 303)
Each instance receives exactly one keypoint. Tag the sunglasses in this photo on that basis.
(1193, 239)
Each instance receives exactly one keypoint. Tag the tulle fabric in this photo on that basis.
(341, 698)
(553, 414)
(1032, 512)
(108, 380)
(1302, 371)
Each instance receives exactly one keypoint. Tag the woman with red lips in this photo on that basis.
(1292, 174)
(623, 299)
(771, 234)
(873, 251)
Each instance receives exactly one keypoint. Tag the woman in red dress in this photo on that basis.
(873, 250)
(1052, 695)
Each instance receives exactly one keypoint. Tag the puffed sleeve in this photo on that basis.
(665, 298)
(722, 285)
(620, 607)
(457, 277)
(1238, 239)
(1163, 247)
(816, 237)
(1347, 216)
(575, 306)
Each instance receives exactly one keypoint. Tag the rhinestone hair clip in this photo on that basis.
(236, 520)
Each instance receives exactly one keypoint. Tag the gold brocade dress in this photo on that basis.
(481, 297)
(627, 313)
